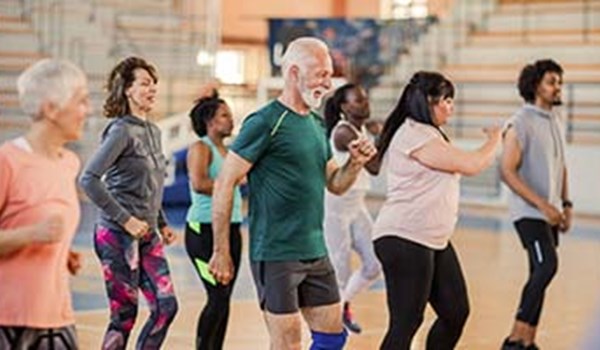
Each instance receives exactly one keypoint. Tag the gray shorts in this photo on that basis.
(284, 287)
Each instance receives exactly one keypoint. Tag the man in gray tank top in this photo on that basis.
(533, 166)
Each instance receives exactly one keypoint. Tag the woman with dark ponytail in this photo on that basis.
(412, 232)
(348, 224)
(333, 107)
(212, 121)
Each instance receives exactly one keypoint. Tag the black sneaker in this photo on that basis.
(532, 346)
(513, 345)
(348, 320)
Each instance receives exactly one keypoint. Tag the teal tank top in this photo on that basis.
(201, 209)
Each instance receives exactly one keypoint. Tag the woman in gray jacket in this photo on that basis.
(125, 178)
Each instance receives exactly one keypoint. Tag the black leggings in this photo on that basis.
(415, 275)
(212, 323)
(540, 240)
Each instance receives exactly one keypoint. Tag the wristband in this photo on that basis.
(567, 204)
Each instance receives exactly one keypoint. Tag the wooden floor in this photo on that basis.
(493, 261)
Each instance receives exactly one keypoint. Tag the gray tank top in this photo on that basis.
(541, 137)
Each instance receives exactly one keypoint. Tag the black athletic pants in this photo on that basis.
(212, 323)
(415, 275)
(540, 240)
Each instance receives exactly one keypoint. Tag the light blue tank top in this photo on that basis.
(201, 209)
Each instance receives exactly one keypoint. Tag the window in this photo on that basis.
(409, 8)
(204, 58)
(230, 67)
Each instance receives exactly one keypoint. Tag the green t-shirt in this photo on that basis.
(289, 153)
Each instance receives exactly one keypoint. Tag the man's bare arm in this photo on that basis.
(233, 170)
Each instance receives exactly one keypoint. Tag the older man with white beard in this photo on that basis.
(284, 151)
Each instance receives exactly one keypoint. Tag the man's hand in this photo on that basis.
(74, 262)
(169, 236)
(361, 151)
(553, 215)
(565, 223)
(221, 267)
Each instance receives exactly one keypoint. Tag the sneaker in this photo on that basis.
(513, 345)
(348, 320)
(532, 346)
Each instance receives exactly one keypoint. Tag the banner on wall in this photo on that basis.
(360, 48)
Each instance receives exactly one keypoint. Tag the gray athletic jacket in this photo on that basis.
(126, 175)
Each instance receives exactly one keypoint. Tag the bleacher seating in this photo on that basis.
(95, 35)
(484, 57)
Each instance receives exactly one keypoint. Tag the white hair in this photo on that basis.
(300, 51)
(48, 80)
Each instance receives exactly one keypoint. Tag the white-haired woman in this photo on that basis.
(39, 210)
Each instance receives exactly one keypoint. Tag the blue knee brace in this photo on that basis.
(328, 341)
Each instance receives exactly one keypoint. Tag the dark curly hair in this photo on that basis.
(119, 80)
(423, 90)
(532, 75)
(204, 111)
(333, 106)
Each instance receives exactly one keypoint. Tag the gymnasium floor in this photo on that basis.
(492, 258)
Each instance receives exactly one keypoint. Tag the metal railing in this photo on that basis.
(47, 20)
(581, 112)
(441, 45)
(581, 115)
(25, 9)
(175, 35)
(527, 13)
(171, 41)
(468, 16)
(76, 51)
(183, 36)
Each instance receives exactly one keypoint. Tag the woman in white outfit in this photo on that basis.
(348, 223)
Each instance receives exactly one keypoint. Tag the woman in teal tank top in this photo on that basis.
(212, 122)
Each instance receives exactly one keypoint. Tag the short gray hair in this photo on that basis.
(52, 80)
(299, 51)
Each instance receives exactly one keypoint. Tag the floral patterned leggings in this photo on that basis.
(130, 265)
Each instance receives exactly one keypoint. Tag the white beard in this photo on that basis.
(309, 97)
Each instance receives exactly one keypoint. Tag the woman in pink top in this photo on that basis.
(413, 228)
(39, 210)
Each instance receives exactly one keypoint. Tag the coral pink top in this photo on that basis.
(34, 280)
